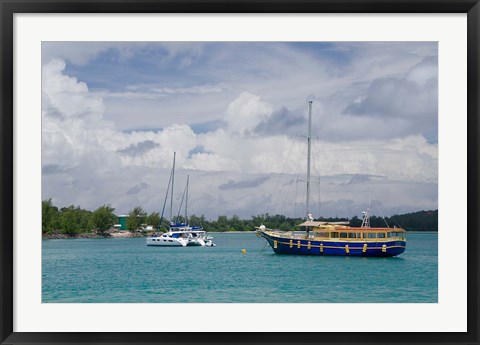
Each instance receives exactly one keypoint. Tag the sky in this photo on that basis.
(235, 113)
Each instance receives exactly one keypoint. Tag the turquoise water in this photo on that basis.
(127, 271)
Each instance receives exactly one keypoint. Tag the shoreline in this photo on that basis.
(122, 234)
(129, 234)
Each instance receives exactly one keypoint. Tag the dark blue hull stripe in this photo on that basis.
(283, 245)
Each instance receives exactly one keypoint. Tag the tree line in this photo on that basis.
(73, 220)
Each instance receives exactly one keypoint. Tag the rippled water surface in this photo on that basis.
(126, 270)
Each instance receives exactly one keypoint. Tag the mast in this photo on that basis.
(310, 101)
(186, 201)
(171, 194)
(166, 198)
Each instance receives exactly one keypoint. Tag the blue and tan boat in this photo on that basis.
(327, 238)
(324, 238)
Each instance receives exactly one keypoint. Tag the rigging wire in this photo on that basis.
(166, 197)
(265, 246)
(394, 220)
(384, 219)
(296, 196)
(181, 202)
(281, 173)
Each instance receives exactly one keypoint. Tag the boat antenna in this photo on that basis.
(173, 179)
(366, 215)
(309, 149)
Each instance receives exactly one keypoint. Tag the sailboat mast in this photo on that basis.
(171, 194)
(309, 153)
(186, 201)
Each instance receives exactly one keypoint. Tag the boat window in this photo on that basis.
(371, 235)
(389, 234)
(352, 235)
(381, 235)
(343, 235)
(334, 234)
(321, 234)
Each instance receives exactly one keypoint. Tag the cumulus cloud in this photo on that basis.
(282, 122)
(66, 96)
(211, 162)
(361, 178)
(244, 184)
(246, 112)
(53, 169)
(139, 148)
(411, 99)
(368, 133)
(137, 188)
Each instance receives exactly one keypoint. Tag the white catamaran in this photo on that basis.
(180, 234)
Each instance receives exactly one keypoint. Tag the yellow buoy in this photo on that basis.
(244, 251)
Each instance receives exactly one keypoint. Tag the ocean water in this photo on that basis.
(125, 270)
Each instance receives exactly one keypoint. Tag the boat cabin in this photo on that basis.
(339, 231)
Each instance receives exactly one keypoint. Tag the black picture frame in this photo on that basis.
(10, 7)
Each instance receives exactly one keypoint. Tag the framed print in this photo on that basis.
(241, 172)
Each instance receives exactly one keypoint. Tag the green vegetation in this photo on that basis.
(73, 220)
(103, 218)
(136, 218)
(417, 221)
(153, 219)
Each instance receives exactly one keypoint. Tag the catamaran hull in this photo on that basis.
(160, 242)
(281, 245)
(198, 242)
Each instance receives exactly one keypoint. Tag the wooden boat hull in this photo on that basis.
(304, 246)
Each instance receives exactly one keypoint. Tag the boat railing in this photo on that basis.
(315, 235)
(389, 234)
(380, 239)
(275, 231)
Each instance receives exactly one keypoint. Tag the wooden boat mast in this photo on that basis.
(309, 144)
